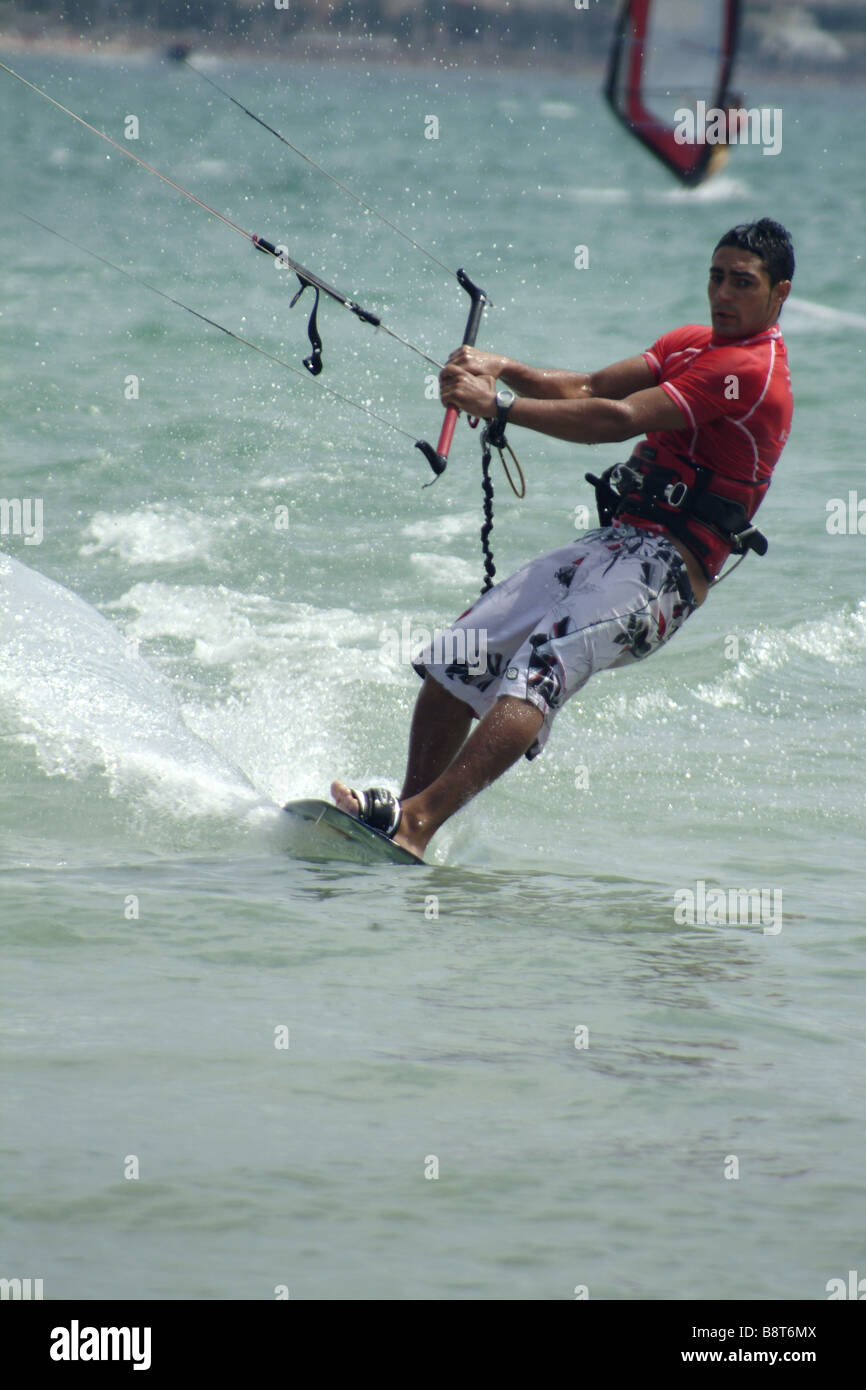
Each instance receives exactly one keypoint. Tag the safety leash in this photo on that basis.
(493, 437)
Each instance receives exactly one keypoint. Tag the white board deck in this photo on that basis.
(333, 834)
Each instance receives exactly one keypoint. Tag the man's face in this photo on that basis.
(742, 302)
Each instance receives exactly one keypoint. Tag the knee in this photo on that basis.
(514, 707)
(435, 693)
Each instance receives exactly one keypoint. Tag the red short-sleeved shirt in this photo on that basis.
(736, 397)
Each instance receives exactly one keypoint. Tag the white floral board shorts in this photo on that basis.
(610, 598)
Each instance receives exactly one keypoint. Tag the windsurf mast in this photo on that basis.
(666, 57)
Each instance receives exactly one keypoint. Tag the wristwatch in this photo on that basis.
(504, 401)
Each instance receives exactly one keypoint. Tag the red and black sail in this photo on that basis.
(670, 57)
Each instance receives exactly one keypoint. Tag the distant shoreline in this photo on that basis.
(308, 47)
(321, 47)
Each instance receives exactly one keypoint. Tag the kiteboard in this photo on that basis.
(333, 834)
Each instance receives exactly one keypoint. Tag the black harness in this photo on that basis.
(645, 489)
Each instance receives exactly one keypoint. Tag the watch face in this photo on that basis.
(504, 399)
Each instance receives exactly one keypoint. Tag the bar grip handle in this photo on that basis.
(438, 457)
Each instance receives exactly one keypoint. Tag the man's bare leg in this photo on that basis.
(440, 723)
(503, 736)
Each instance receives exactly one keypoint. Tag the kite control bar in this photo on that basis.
(438, 457)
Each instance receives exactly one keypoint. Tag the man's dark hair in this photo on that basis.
(767, 240)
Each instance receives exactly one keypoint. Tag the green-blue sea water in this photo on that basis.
(228, 1069)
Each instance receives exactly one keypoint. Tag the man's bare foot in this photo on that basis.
(346, 800)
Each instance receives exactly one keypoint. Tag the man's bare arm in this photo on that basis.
(582, 420)
(613, 383)
(600, 420)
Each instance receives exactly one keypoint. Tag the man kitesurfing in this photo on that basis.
(715, 405)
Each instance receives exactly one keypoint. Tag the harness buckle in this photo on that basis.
(675, 494)
(750, 539)
(622, 478)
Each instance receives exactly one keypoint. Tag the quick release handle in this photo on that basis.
(438, 457)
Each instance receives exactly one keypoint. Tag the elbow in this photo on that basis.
(616, 425)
